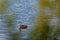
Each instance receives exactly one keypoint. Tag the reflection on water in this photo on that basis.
(24, 12)
(7, 34)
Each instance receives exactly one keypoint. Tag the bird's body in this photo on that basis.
(22, 26)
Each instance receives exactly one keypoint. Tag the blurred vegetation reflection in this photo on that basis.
(43, 30)
(3, 5)
(9, 20)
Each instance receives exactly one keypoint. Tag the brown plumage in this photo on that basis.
(22, 26)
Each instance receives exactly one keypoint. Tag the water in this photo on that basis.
(25, 10)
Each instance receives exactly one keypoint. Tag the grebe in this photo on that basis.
(21, 26)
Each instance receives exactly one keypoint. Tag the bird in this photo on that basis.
(21, 26)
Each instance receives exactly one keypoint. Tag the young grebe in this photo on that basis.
(21, 26)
